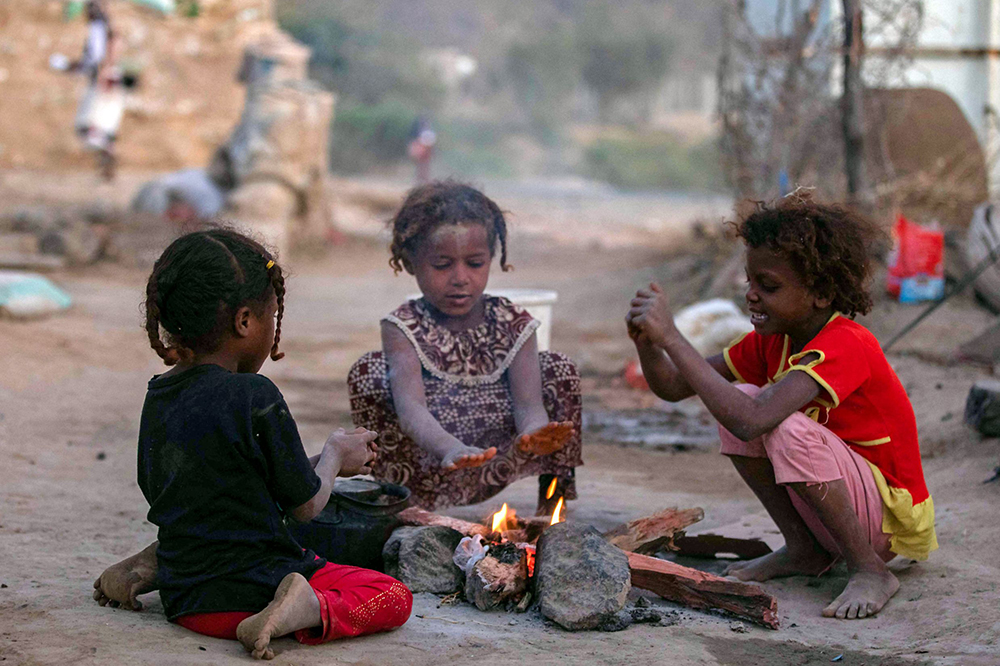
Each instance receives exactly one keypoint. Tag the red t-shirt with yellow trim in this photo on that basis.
(862, 402)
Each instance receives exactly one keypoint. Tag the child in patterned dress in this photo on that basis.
(463, 400)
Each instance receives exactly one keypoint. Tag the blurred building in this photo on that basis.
(957, 52)
(188, 97)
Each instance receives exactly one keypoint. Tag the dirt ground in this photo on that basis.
(71, 388)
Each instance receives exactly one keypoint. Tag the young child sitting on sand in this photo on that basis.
(818, 425)
(222, 466)
(462, 399)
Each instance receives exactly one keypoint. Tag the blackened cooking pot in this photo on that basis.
(355, 524)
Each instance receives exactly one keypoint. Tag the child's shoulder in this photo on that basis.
(253, 387)
(846, 330)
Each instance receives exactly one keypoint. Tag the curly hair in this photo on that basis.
(829, 246)
(443, 202)
(198, 284)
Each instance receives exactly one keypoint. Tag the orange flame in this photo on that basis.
(551, 490)
(500, 519)
(556, 515)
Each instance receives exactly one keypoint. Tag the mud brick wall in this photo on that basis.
(189, 98)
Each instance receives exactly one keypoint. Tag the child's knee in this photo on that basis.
(399, 598)
(750, 389)
(796, 451)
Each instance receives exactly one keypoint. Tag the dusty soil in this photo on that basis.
(71, 388)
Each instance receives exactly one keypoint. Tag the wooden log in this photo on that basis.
(417, 516)
(653, 533)
(712, 545)
(698, 589)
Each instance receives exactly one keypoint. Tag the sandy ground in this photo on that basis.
(71, 388)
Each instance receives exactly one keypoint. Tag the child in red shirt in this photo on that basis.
(818, 424)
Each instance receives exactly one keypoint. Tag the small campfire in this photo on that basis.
(506, 564)
(504, 573)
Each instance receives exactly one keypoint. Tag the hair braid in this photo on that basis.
(278, 284)
(198, 284)
(500, 229)
(169, 355)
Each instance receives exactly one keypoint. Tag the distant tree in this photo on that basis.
(544, 72)
(622, 55)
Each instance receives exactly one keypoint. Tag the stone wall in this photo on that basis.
(187, 103)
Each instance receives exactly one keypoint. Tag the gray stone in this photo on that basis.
(982, 407)
(421, 558)
(582, 580)
(618, 622)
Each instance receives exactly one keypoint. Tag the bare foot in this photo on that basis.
(550, 438)
(294, 607)
(778, 564)
(466, 456)
(866, 593)
(121, 583)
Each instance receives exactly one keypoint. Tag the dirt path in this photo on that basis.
(71, 389)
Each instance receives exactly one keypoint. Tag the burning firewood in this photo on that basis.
(416, 516)
(653, 533)
(698, 589)
(499, 578)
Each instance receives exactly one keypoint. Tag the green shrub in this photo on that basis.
(367, 136)
(653, 161)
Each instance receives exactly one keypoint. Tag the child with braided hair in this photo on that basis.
(464, 402)
(222, 466)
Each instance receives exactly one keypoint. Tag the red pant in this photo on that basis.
(352, 602)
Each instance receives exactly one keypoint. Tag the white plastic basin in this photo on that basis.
(538, 303)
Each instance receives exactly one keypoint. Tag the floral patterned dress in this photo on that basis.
(468, 391)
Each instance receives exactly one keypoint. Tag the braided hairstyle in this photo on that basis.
(829, 246)
(444, 202)
(198, 284)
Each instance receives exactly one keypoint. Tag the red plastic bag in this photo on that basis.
(916, 263)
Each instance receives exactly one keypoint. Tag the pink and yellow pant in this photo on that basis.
(803, 451)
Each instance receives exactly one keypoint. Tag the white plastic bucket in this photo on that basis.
(538, 303)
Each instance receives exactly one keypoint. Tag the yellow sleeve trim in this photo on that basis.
(911, 528)
(809, 369)
(729, 361)
(872, 442)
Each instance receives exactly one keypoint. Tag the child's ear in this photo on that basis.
(822, 302)
(407, 265)
(241, 322)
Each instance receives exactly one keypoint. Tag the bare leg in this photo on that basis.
(802, 554)
(294, 607)
(871, 584)
(121, 583)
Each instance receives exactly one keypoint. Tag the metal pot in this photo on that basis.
(356, 522)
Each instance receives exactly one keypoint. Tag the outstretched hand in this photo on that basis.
(462, 456)
(650, 318)
(548, 439)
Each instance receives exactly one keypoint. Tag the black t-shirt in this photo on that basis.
(220, 459)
